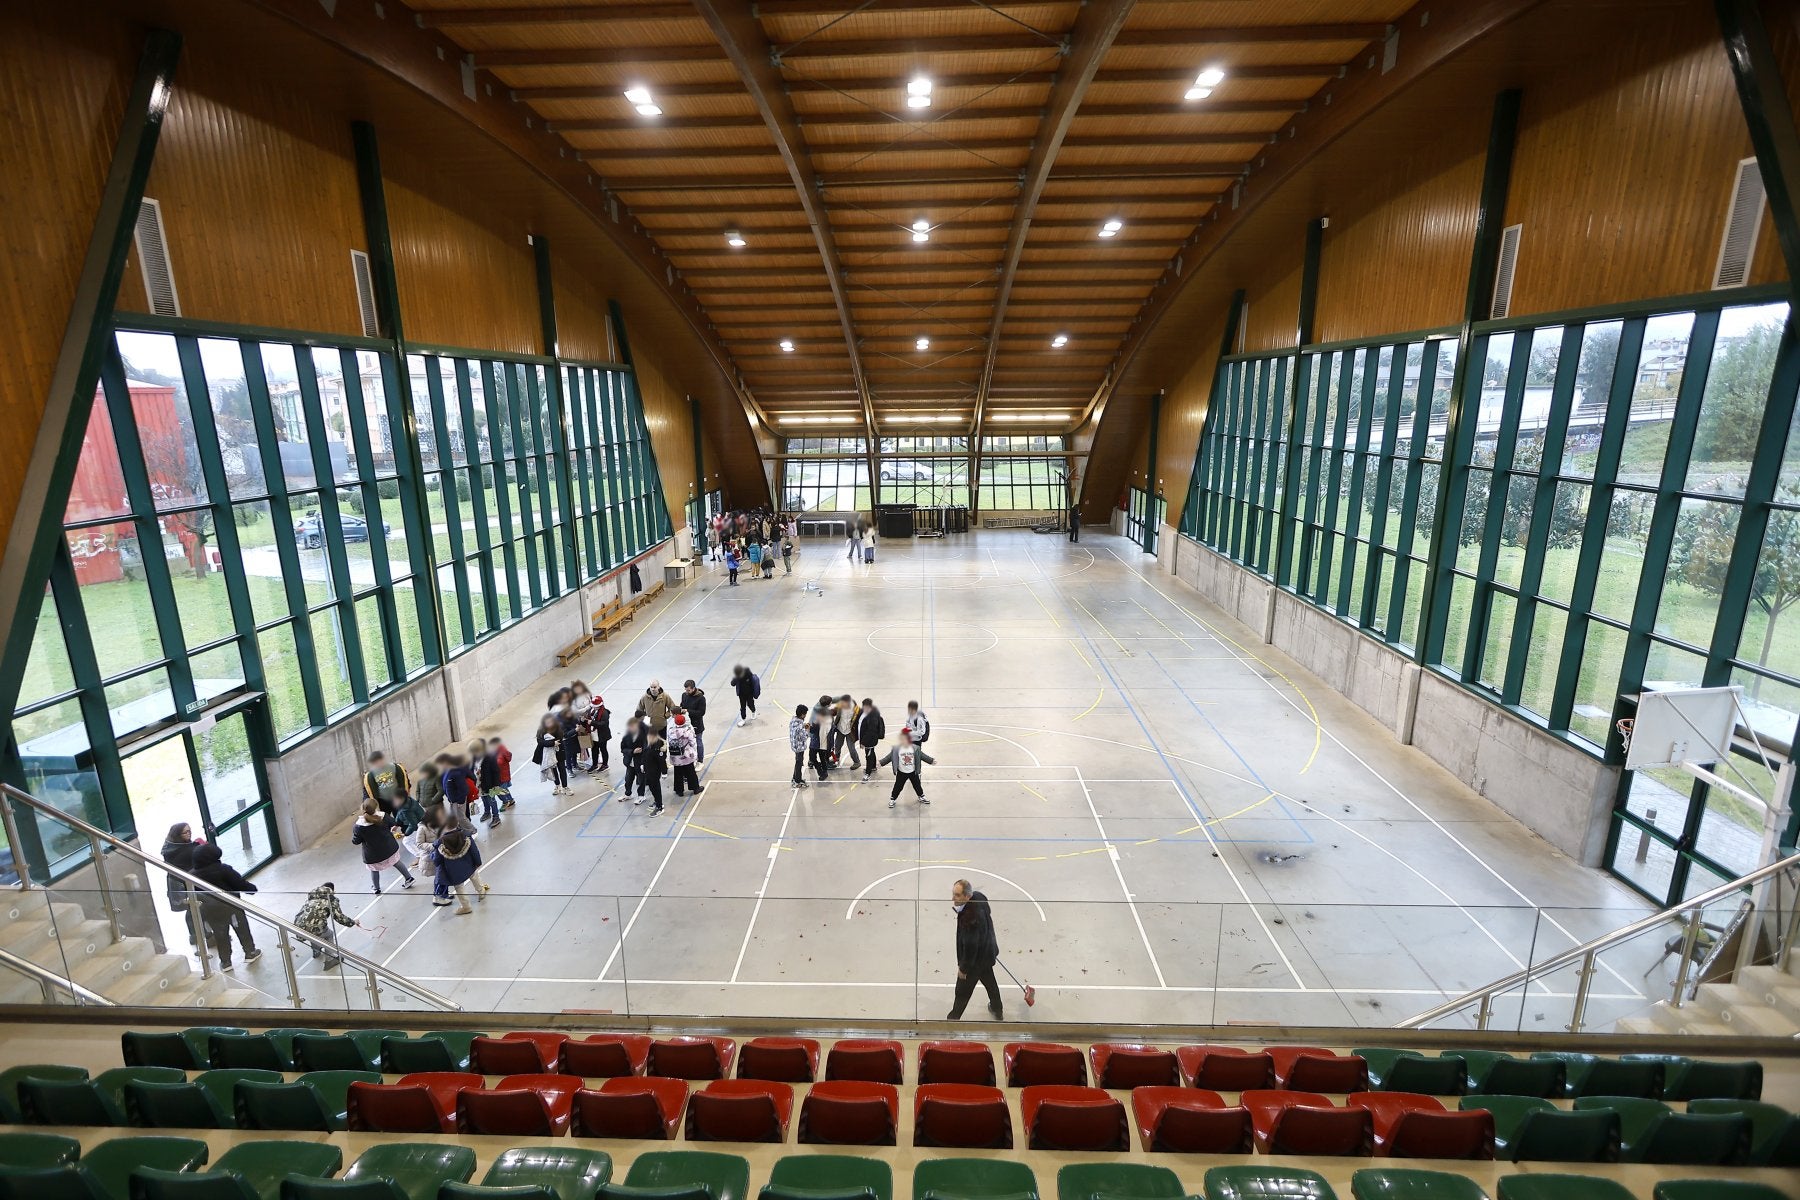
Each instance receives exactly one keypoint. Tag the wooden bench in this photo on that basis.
(608, 620)
(647, 595)
(572, 651)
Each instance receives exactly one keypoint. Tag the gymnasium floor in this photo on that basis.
(1173, 822)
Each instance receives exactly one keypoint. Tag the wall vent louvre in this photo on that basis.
(1503, 271)
(365, 293)
(1743, 221)
(153, 257)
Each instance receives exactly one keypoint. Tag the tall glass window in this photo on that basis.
(929, 472)
(826, 475)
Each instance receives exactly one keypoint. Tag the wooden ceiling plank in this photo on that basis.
(1028, 39)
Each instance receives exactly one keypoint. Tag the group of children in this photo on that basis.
(430, 817)
(821, 736)
(752, 538)
(665, 731)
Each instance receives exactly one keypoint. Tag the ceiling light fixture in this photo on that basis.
(735, 240)
(918, 93)
(1059, 341)
(640, 98)
(787, 345)
(1196, 93)
(921, 230)
(923, 343)
(1212, 77)
(1111, 228)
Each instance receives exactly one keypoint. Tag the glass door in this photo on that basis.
(211, 779)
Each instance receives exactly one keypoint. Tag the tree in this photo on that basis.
(1541, 370)
(1594, 373)
(1737, 390)
(1701, 558)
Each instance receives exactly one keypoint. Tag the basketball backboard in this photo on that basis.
(1682, 725)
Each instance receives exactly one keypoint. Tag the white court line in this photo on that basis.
(774, 853)
(1112, 855)
(851, 911)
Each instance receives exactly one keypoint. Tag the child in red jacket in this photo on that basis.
(503, 764)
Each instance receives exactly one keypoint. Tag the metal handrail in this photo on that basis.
(49, 980)
(1687, 912)
(97, 837)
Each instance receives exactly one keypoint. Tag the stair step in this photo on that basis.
(1773, 987)
(1759, 1020)
(1636, 1025)
(37, 927)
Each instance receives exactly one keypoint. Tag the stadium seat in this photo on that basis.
(316, 1100)
(1225, 1068)
(519, 1106)
(1265, 1183)
(446, 1051)
(1408, 1125)
(1705, 1079)
(829, 1177)
(516, 1053)
(740, 1110)
(965, 1115)
(103, 1173)
(1063, 1117)
(247, 1171)
(1289, 1122)
(646, 1109)
(605, 1055)
(872, 1061)
(270, 1051)
(358, 1050)
(1652, 1132)
(1190, 1121)
(1410, 1071)
(1315, 1069)
(956, 1062)
(538, 1173)
(1715, 1189)
(973, 1179)
(30, 1151)
(1591, 1075)
(391, 1171)
(96, 1101)
(1031, 1063)
(1561, 1187)
(779, 1059)
(10, 1079)
(682, 1175)
(1529, 1129)
(1492, 1073)
(1127, 1065)
(1774, 1131)
(207, 1101)
(420, 1103)
(850, 1112)
(187, 1049)
(1382, 1183)
(1117, 1181)
(691, 1058)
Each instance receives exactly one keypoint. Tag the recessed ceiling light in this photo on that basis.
(1212, 77)
(1197, 93)
(787, 344)
(735, 240)
(638, 94)
(918, 102)
(921, 230)
(1059, 341)
(923, 343)
(1111, 228)
(918, 93)
(649, 110)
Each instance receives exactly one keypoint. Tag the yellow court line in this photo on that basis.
(1311, 712)
(776, 669)
(1036, 858)
(703, 829)
(847, 791)
(1099, 695)
(931, 862)
(1103, 629)
(1042, 605)
(1035, 792)
(1163, 623)
(1079, 853)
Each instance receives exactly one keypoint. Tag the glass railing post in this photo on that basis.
(1579, 1014)
(12, 841)
(1793, 931)
(1688, 941)
(199, 928)
(106, 899)
(287, 967)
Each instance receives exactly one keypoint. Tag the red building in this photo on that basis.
(99, 488)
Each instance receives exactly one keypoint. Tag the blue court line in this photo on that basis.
(950, 837)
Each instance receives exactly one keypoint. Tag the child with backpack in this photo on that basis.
(799, 736)
(748, 687)
(317, 917)
(684, 752)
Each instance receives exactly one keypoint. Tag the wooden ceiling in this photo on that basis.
(787, 121)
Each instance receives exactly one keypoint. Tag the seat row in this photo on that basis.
(1115, 1066)
(49, 1167)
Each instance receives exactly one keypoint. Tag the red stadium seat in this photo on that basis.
(956, 1062)
(1029, 1064)
(645, 1109)
(516, 1053)
(1289, 1122)
(870, 1061)
(519, 1106)
(1126, 1065)
(1414, 1126)
(1224, 1068)
(779, 1059)
(1314, 1069)
(740, 1110)
(849, 1112)
(1066, 1117)
(605, 1055)
(1190, 1121)
(968, 1116)
(691, 1058)
(419, 1103)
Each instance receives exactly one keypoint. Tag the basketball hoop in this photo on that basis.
(1624, 727)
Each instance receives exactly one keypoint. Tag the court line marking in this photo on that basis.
(1112, 854)
(737, 967)
(851, 911)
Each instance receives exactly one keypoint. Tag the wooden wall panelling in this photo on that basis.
(581, 322)
(671, 425)
(1184, 411)
(1272, 320)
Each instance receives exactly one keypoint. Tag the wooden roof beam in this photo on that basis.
(1029, 40)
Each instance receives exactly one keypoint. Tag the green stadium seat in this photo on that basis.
(1716, 1189)
(395, 1171)
(1527, 1128)
(1705, 1079)
(1117, 1181)
(207, 1101)
(10, 1113)
(96, 1101)
(682, 1175)
(247, 1171)
(538, 1173)
(1652, 1132)
(1774, 1131)
(38, 1150)
(1266, 1183)
(188, 1049)
(1561, 1187)
(1381, 1183)
(1410, 1071)
(316, 1100)
(829, 1177)
(973, 1179)
(1492, 1073)
(440, 1051)
(271, 1051)
(103, 1173)
(1591, 1075)
(358, 1050)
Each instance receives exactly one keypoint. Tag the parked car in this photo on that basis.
(309, 530)
(907, 471)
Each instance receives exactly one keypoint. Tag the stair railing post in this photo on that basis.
(1793, 931)
(12, 842)
(1688, 942)
(1579, 1015)
(199, 928)
(287, 966)
(374, 990)
(106, 899)
(1485, 1013)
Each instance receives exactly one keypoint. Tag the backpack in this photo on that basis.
(925, 734)
(755, 686)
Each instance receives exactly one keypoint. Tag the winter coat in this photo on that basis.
(845, 720)
(488, 773)
(977, 947)
(376, 837)
(503, 765)
(694, 705)
(870, 727)
(744, 685)
(547, 741)
(408, 815)
(383, 785)
(601, 716)
(906, 759)
(684, 748)
(631, 751)
(209, 865)
(455, 869)
(459, 785)
(320, 910)
(657, 708)
(919, 727)
(653, 760)
(179, 855)
(429, 788)
(799, 733)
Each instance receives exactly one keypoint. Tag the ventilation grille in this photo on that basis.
(365, 293)
(153, 257)
(1743, 221)
(1503, 271)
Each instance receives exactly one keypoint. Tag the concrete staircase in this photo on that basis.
(1762, 1002)
(61, 937)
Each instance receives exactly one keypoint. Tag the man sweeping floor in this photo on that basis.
(977, 949)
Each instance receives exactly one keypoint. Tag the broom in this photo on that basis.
(1030, 992)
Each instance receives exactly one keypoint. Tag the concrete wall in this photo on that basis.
(1561, 793)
